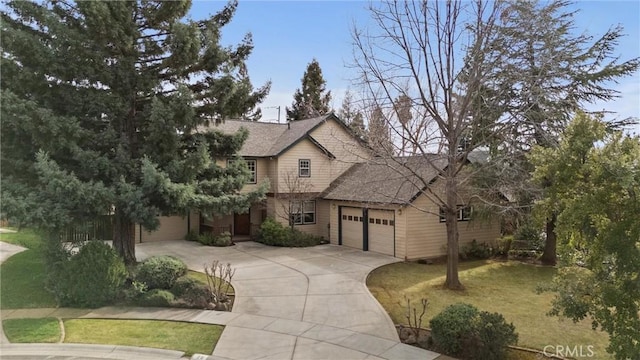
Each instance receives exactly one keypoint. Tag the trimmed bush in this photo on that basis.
(452, 326)
(198, 297)
(157, 298)
(161, 272)
(275, 234)
(223, 239)
(462, 331)
(91, 278)
(183, 285)
(493, 335)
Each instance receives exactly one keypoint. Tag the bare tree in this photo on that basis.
(297, 190)
(433, 55)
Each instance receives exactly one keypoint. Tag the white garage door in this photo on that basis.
(171, 228)
(381, 231)
(352, 227)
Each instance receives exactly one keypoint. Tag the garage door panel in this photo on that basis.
(352, 227)
(381, 231)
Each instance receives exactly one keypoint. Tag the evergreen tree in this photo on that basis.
(378, 135)
(542, 73)
(101, 105)
(351, 115)
(313, 99)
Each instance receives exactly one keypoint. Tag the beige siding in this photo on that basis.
(265, 169)
(401, 233)
(342, 145)
(276, 209)
(288, 167)
(323, 218)
(171, 228)
(427, 236)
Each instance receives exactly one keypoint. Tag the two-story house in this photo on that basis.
(327, 181)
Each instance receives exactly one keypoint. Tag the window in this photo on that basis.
(304, 168)
(253, 169)
(464, 213)
(304, 212)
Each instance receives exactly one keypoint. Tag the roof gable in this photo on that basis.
(397, 180)
(273, 139)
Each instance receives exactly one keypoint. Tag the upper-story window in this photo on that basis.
(464, 213)
(304, 168)
(253, 170)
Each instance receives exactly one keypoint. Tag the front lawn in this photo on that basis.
(170, 335)
(46, 330)
(22, 276)
(504, 287)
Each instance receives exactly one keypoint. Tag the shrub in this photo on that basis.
(208, 239)
(493, 335)
(157, 298)
(474, 250)
(275, 234)
(504, 245)
(183, 285)
(461, 330)
(197, 296)
(191, 236)
(91, 278)
(529, 232)
(134, 290)
(452, 326)
(223, 239)
(161, 272)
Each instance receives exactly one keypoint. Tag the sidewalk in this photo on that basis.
(277, 336)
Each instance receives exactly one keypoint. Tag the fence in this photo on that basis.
(98, 229)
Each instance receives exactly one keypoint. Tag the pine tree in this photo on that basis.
(101, 102)
(313, 99)
(544, 73)
(351, 115)
(378, 135)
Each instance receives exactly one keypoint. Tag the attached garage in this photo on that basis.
(381, 231)
(367, 229)
(171, 228)
(351, 223)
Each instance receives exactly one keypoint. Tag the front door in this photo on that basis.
(241, 224)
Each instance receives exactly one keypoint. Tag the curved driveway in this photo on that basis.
(298, 303)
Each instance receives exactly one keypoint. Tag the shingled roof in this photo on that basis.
(271, 139)
(395, 180)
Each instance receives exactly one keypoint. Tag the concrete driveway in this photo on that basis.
(298, 303)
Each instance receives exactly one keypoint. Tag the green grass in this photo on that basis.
(22, 279)
(26, 238)
(171, 335)
(45, 330)
(507, 288)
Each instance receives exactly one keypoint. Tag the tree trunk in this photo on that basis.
(124, 238)
(452, 281)
(549, 255)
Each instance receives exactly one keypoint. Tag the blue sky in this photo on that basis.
(287, 35)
